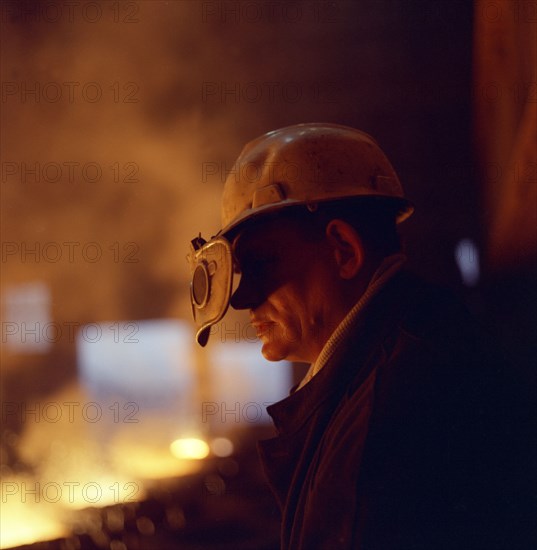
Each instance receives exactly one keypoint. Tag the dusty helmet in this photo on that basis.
(307, 164)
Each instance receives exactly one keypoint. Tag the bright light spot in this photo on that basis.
(147, 462)
(25, 521)
(221, 446)
(467, 258)
(189, 448)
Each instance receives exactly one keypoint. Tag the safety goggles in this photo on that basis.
(211, 266)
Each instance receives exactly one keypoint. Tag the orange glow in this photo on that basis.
(144, 462)
(27, 522)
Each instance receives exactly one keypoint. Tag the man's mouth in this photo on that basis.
(262, 327)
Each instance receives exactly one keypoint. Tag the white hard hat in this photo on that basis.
(305, 164)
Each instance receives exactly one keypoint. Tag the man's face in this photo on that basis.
(285, 283)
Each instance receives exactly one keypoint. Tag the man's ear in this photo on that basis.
(347, 248)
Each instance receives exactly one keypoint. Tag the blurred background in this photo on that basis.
(119, 123)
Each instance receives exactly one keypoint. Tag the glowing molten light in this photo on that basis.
(24, 523)
(189, 448)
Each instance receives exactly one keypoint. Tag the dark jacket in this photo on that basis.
(397, 443)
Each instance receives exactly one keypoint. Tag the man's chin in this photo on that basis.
(272, 352)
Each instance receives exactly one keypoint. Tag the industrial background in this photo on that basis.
(119, 123)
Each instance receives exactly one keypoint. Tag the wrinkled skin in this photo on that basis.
(292, 287)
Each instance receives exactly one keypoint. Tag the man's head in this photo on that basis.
(301, 272)
(300, 207)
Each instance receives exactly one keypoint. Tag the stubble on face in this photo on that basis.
(290, 318)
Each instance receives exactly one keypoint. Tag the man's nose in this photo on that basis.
(247, 296)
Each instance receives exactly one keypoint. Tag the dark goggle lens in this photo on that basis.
(200, 285)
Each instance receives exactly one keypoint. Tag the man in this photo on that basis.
(390, 441)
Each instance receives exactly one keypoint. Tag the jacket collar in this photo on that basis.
(348, 361)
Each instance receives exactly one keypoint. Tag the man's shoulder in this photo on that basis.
(410, 321)
(428, 341)
(427, 308)
(414, 310)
